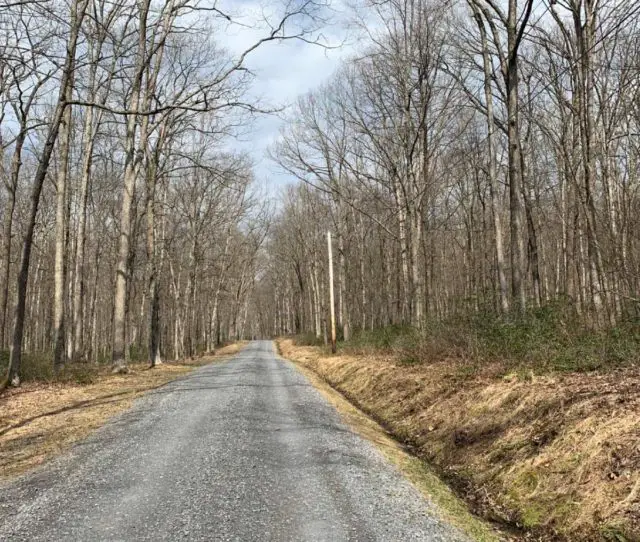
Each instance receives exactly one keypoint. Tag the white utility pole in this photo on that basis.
(331, 296)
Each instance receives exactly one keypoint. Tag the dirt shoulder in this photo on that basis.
(41, 420)
(449, 506)
(555, 456)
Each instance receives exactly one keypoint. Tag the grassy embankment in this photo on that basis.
(536, 423)
(49, 412)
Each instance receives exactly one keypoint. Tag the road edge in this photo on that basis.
(448, 505)
(73, 428)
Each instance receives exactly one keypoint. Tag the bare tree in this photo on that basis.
(77, 13)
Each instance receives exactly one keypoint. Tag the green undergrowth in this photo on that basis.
(38, 367)
(549, 339)
(308, 339)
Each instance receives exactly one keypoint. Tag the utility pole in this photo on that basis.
(331, 296)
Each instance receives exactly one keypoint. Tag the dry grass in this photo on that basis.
(40, 420)
(557, 456)
(448, 504)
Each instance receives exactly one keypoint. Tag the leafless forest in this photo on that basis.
(470, 157)
(129, 228)
(475, 157)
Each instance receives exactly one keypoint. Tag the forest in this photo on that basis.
(131, 225)
(476, 161)
(454, 208)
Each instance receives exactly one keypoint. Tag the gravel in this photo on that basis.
(244, 450)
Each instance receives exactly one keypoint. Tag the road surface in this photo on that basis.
(245, 450)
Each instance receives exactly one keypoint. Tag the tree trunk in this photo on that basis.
(585, 35)
(6, 260)
(88, 139)
(78, 9)
(518, 262)
(343, 303)
(60, 273)
(402, 230)
(417, 304)
(493, 174)
(132, 160)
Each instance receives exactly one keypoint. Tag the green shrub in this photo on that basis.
(138, 353)
(38, 367)
(551, 338)
(307, 339)
(387, 338)
(4, 360)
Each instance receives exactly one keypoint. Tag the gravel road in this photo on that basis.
(245, 450)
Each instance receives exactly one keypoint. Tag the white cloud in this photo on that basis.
(283, 71)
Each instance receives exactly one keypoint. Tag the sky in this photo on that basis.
(283, 71)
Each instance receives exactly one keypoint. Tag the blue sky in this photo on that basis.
(283, 71)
